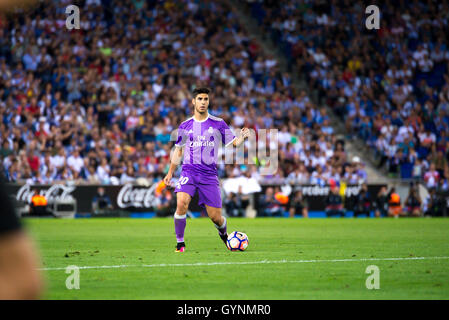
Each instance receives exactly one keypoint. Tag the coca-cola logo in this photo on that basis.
(136, 197)
(56, 192)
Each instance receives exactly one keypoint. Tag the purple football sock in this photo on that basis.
(222, 230)
(180, 226)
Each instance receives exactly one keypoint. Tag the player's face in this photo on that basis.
(201, 103)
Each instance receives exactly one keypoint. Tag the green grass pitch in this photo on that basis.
(286, 258)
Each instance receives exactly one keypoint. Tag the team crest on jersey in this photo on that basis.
(210, 130)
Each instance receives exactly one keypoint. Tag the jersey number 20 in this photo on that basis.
(182, 180)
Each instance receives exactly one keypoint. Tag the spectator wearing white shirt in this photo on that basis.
(46, 166)
(425, 64)
(326, 128)
(426, 138)
(270, 62)
(420, 53)
(127, 176)
(305, 157)
(431, 177)
(239, 118)
(58, 160)
(406, 129)
(387, 129)
(328, 150)
(75, 161)
(293, 176)
(406, 87)
(350, 175)
(318, 177)
(335, 174)
(318, 159)
(284, 136)
(103, 171)
(158, 86)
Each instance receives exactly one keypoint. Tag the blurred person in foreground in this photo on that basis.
(10, 5)
(19, 275)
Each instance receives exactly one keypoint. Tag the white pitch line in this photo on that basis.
(198, 264)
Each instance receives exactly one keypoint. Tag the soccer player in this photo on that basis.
(199, 138)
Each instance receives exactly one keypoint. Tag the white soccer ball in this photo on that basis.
(237, 241)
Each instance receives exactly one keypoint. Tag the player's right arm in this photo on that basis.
(174, 162)
(177, 153)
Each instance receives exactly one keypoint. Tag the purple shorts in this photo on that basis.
(208, 188)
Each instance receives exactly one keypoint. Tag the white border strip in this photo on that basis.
(199, 264)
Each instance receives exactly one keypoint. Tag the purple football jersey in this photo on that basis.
(202, 140)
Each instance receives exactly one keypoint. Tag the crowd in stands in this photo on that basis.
(99, 104)
(390, 86)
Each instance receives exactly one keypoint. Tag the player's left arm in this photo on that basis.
(244, 133)
(229, 138)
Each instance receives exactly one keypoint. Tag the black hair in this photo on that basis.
(200, 90)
